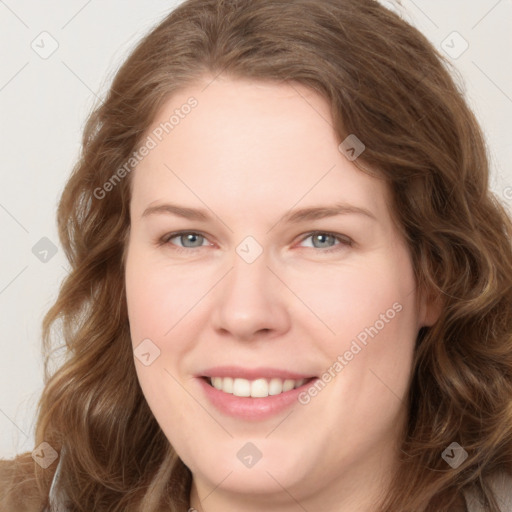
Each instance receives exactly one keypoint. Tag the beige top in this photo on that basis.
(502, 487)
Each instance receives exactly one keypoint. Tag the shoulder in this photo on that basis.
(501, 484)
(18, 489)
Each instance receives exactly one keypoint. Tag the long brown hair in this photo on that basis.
(385, 83)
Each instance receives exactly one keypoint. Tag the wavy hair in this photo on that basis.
(388, 85)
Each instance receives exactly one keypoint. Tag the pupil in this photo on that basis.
(322, 238)
(190, 238)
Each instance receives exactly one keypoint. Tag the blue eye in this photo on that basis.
(327, 241)
(188, 240)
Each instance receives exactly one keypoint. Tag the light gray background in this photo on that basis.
(44, 103)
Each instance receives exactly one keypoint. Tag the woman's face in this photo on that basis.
(274, 265)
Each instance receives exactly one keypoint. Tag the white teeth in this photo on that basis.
(259, 388)
(241, 387)
(275, 387)
(217, 382)
(288, 385)
(226, 384)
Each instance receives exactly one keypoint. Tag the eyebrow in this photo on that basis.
(179, 211)
(293, 216)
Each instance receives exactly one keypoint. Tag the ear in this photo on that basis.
(431, 306)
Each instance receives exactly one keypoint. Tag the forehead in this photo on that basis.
(248, 143)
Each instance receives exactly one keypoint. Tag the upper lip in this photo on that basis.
(253, 373)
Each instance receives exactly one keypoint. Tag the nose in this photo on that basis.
(251, 302)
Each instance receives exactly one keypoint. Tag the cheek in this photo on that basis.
(145, 304)
(372, 301)
(159, 298)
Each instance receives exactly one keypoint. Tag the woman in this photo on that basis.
(291, 286)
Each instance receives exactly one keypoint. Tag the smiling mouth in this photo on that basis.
(258, 388)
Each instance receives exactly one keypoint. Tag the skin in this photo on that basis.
(248, 153)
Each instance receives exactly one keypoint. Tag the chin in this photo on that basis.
(274, 469)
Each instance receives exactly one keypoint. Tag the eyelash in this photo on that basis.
(344, 240)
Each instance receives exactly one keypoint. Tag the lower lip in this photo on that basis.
(248, 408)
